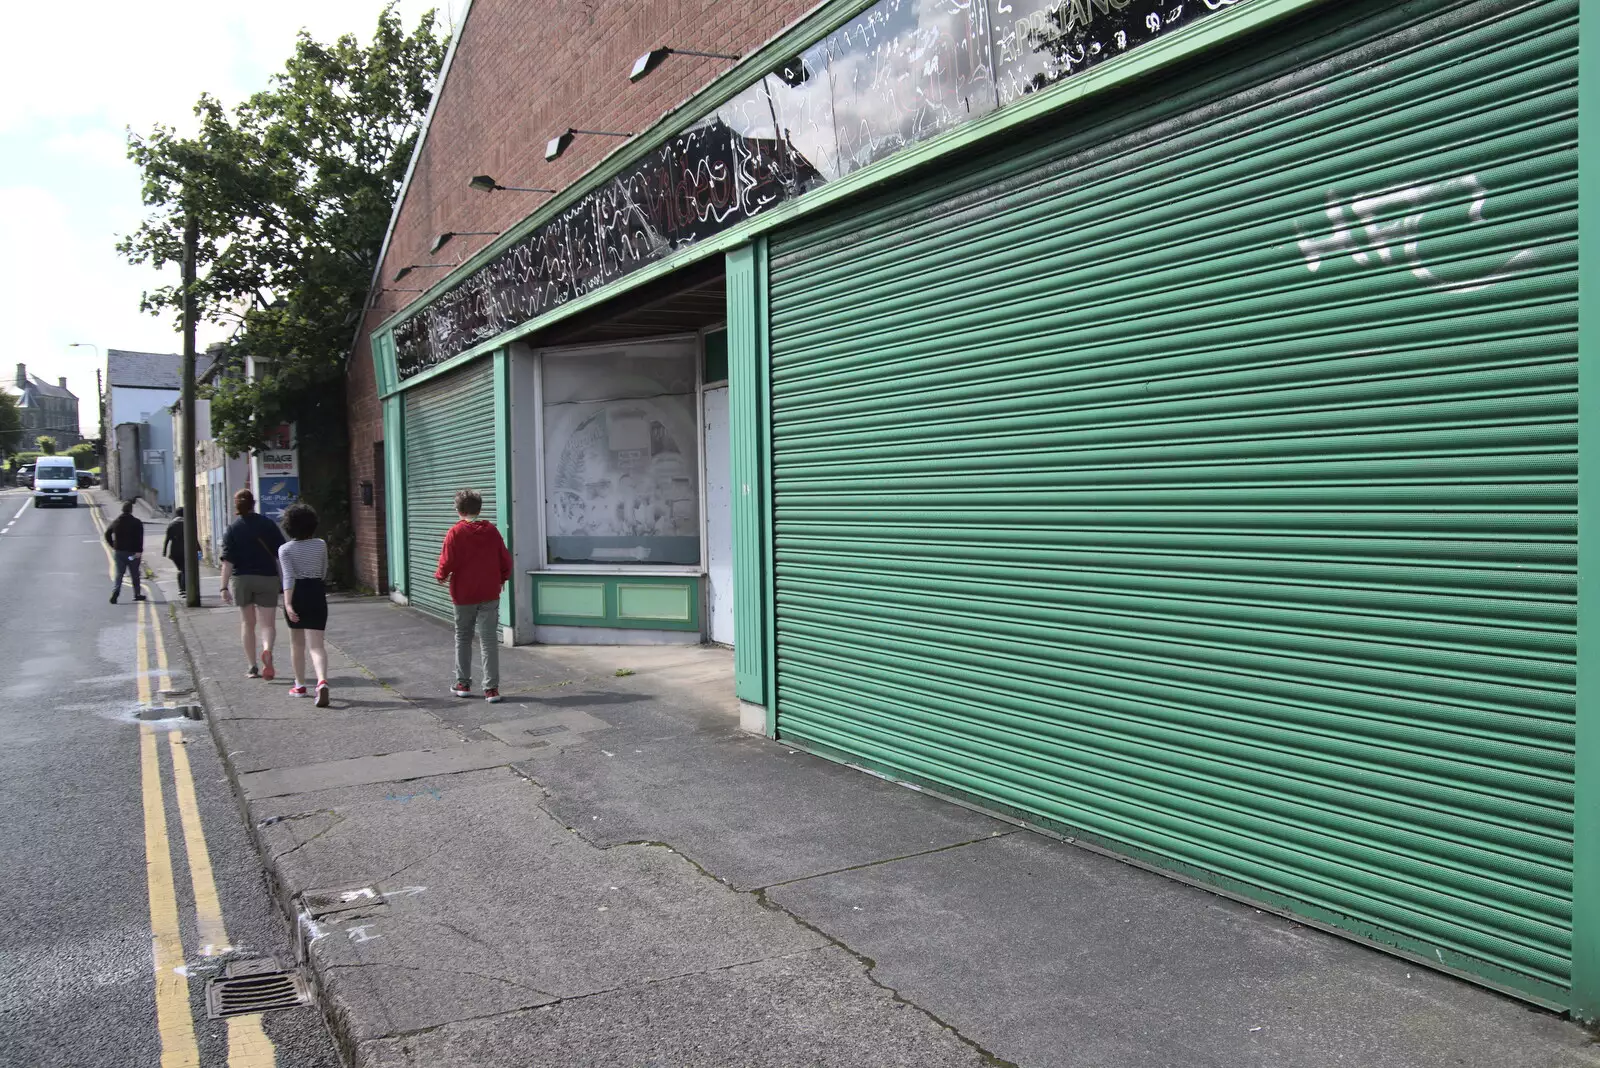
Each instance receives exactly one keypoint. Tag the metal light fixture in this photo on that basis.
(444, 239)
(391, 289)
(402, 272)
(560, 142)
(487, 184)
(657, 56)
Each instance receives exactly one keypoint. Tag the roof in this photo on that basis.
(149, 370)
(42, 388)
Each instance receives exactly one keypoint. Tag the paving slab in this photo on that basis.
(815, 1009)
(390, 767)
(1068, 957)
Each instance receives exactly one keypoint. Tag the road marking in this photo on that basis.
(111, 561)
(248, 1044)
(18, 516)
(174, 1021)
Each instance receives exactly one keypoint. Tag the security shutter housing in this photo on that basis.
(449, 445)
(1199, 477)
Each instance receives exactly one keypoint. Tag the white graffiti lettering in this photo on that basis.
(1385, 229)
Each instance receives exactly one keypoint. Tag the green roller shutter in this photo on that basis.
(450, 445)
(1200, 476)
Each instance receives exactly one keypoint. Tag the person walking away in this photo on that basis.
(125, 535)
(475, 563)
(250, 579)
(172, 546)
(303, 561)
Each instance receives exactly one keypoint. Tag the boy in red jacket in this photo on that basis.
(476, 564)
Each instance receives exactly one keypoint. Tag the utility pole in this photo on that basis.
(191, 532)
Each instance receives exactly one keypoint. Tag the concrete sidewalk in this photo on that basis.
(604, 870)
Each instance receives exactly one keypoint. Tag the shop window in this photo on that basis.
(622, 457)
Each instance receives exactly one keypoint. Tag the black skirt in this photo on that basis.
(310, 603)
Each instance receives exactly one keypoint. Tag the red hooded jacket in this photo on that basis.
(475, 561)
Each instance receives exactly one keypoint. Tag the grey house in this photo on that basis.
(46, 410)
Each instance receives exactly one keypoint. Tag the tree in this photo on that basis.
(10, 423)
(45, 444)
(293, 191)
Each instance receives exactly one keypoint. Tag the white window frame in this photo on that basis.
(612, 570)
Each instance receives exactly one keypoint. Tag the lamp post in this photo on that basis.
(486, 183)
(99, 388)
(562, 141)
(191, 530)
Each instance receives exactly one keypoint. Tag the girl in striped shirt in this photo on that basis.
(303, 562)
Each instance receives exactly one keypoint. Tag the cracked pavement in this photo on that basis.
(638, 882)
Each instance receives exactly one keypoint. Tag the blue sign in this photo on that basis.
(278, 494)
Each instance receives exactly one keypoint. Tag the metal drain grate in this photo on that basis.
(244, 994)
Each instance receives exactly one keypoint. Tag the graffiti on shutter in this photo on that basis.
(1385, 228)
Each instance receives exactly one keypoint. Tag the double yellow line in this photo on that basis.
(248, 1044)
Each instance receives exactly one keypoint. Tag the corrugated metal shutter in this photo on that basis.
(450, 445)
(1203, 479)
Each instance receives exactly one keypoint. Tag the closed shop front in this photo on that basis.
(449, 445)
(1199, 478)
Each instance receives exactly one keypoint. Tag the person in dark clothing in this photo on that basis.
(250, 578)
(125, 535)
(172, 546)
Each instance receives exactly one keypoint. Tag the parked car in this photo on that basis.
(25, 476)
(85, 479)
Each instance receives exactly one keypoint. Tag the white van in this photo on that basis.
(55, 481)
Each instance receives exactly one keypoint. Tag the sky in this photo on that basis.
(76, 79)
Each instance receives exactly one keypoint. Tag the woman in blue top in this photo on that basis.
(303, 562)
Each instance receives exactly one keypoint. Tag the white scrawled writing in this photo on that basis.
(1385, 229)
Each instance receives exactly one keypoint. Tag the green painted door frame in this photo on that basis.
(394, 488)
(502, 475)
(747, 404)
(1586, 799)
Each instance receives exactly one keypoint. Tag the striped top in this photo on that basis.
(305, 559)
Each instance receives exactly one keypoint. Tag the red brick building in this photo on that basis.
(517, 74)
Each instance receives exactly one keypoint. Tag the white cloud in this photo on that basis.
(83, 76)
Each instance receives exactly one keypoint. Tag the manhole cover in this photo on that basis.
(245, 994)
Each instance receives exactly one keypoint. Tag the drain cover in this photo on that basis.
(241, 995)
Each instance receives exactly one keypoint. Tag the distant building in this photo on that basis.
(46, 410)
(141, 388)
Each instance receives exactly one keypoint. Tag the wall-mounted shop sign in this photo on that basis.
(899, 73)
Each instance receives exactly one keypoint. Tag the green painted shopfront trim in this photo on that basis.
(629, 602)
(1213, 33)
(502, 475)
(394, 490)
(746, 356)
(1585, 999)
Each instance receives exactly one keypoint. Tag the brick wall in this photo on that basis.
(525, 70)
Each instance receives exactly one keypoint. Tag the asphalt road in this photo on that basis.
(89, 791)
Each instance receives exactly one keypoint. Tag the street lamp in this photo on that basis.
(402, 272)
(657, 56)
(485, 183)
(561, 141)
(444, 239)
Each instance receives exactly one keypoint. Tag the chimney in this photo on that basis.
(22, 376)
(63, 381)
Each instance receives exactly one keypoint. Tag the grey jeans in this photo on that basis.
(127, 564)
(485, 618)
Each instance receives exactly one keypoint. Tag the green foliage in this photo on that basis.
(22, 459)
(84, 456)
(293, 191)
(10, 422)
(45, 444)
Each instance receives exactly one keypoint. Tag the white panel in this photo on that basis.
(719, 517)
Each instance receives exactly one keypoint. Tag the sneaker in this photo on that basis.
(322, 694)
(266, 665)
(114, 595)
(299, 691)
(492, 696)
(462, 689)
(140, 597)
(253, 673)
